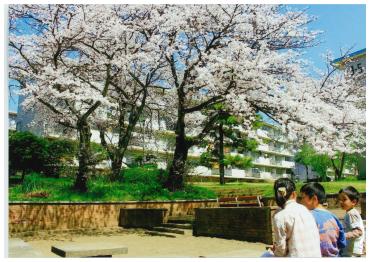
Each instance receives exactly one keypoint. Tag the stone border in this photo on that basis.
(106, 202)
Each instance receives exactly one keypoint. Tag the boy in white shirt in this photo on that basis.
(353, 224)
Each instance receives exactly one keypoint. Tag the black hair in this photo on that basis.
(289, 186)
(351, 192)
(313, 188)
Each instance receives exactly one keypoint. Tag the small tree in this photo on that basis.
(227, 132)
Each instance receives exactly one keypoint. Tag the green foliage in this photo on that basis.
(193, 192)
(321, 162)
(99, 153)
(144, 183)
(308, 157)
(238, 161)
(140, 183)
(266, 188)
(206, 159)
(258, 123)
(232, 120)
(359, 162)
(27, 152)
(232, 137)
(51, 156)
(32, 183)
(60, 155)
(246, 144)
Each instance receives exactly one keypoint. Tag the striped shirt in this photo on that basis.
(296, 233)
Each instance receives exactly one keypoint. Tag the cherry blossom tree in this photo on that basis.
(67, 62)
(340, 131)
(137, 84)
(215, 50)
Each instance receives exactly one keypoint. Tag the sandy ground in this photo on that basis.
(141, 245)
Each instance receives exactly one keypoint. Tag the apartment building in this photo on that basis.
(12, 120)
(273, 158)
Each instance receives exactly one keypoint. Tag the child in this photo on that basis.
(353, 224)
(331, 231)
(296, 233)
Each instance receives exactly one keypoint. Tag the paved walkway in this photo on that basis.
(19, 248)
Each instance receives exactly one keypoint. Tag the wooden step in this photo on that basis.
(156, 233)
(175, 225)
(168, 230)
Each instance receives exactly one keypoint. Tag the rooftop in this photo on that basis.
(341, 61)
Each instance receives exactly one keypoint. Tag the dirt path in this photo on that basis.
(141, 245)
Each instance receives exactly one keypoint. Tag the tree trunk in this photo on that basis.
(338, 171)
(23, 175)
(306, 173)
(117, 153)
(177, 170)
(221, 155)
(84, 156)
(116, 168)
(341, 165)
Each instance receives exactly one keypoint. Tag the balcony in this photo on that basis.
(271, 135)
(273, 149)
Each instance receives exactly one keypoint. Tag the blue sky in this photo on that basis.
(344, 26)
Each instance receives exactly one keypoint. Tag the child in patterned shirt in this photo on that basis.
(332, 238)
(353, 224)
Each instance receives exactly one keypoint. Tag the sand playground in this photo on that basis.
(141, 245)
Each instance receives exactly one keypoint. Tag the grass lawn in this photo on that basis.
(139, 185)
(266, 189)
(142, 184)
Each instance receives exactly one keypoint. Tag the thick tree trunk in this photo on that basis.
(177, 170)
(84, 156)
(116, 168)
(221, 155)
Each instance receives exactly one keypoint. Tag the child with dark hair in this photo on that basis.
(296, 234)
(331, 231)
(353, 224)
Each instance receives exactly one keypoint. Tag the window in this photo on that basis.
(255, 171)
(288, 158)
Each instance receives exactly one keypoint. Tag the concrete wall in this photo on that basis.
(64, 216)
(241, 223)
(141, 217)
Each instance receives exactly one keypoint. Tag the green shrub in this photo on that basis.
(27, 153)
(237, 161)
(144, 183)
(31, 183)
(61, 153)
(51, 156)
